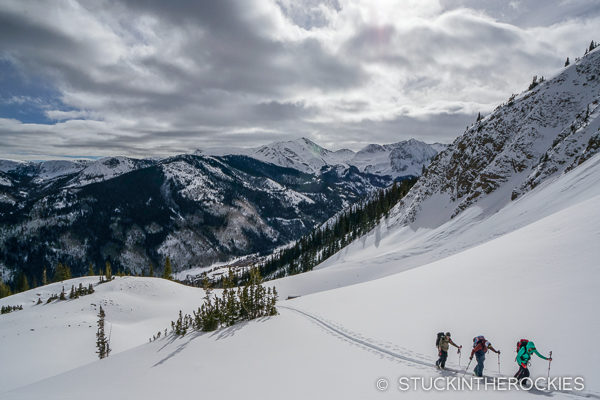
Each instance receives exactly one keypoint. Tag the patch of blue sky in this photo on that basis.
(27, 98)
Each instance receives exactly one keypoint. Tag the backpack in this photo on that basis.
(477, 340)
(521, 343)
(439, 337)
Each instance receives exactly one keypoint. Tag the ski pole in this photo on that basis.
(549, 362)
(459, 356)
(498, 363)
(466, 369)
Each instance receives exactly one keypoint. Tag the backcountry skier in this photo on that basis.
(480, 347)
(525, 349)
(443, 344)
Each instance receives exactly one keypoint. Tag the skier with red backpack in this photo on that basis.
(480, 347)
(525, 349)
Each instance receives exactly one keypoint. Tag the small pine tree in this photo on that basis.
(586, 118)
(63, 295)
(151, 273)
(567, 62)
(44, 277)
(108, 271)
(4, 290)
(91, 270)
(23, 283)
(534, 82)
(168, 271)
(102, 344)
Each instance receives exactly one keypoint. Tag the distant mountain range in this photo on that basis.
(196, 209)
(397, 159)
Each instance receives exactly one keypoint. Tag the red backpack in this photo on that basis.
(477, 340)
(521, 343)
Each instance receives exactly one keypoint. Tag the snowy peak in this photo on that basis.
(397, 159)
(301, 154)
(535, 136)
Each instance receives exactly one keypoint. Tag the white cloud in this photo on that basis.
(157, 78)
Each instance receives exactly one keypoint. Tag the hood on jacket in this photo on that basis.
(530, 346)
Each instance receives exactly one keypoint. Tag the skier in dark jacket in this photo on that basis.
(480, 347)
(443, 346)
(523, 357)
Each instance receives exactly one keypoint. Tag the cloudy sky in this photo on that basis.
(152, 78)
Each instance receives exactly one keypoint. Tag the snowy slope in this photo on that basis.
(47, 170)
(43, 171)
(341, 341)
(10, 165)
(107, 168)
(390, 248)
(47, 339)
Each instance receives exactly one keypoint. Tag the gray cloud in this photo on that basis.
(157, 78)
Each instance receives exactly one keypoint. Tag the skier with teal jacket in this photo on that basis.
(525, 349)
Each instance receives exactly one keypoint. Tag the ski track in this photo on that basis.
(380, 347)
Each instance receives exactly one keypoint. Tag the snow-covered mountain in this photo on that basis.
(406, 158)
(537, 135)
(82, 172)
(107, 168)
(197, 210)
(539, 252)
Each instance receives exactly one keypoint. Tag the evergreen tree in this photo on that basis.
(567, 62)
(62, 273)
(534, 82)
(91, 270)
(44, 277)
(4, 290)
(23, 282)
(151, 272)
(63, 295)
(102, 344)
(108, 271)
(168, 271)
